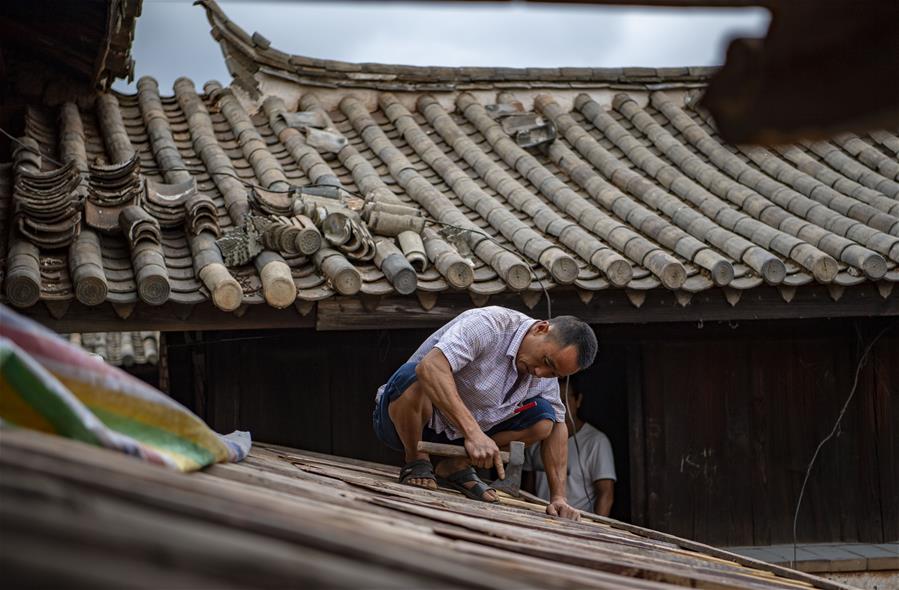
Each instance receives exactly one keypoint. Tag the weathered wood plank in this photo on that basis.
(613, 306)
(637, 434)
(173, 549)
(244, 508)
(305, 510)
(169, 317)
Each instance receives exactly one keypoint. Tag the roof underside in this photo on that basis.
(56, 48)
(289, 518)
(569, 179)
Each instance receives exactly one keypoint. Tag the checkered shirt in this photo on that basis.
(481, 346)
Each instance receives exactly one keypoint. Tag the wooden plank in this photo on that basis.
(658, 510)
(290, 379)
(607, 307)
(265, 511)
(652, 567)
(345, 462)
(861, 518)
(373, 356)
(735, 461)
(247, 508)
(222, 370)
(885, 395)
(613, 307)
(637, 434)
(761, 433)
(180, 550)
(486, 512)
(168, 318)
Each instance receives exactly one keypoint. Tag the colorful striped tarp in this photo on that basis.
(50, 385)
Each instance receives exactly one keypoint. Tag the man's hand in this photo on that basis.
(562, 509)
(484, 453)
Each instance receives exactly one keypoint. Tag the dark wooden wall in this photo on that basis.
(712, 426)
(731, 416)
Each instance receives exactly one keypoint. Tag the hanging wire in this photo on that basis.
(833, 432)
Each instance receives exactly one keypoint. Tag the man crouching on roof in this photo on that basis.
(485, 379)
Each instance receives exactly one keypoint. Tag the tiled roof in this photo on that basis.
(290, 518)
(122, 349)
(249, 55)
(619, 186)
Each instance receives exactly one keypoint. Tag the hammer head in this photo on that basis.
(512, 483)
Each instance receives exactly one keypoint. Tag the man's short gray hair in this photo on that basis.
(569, 330)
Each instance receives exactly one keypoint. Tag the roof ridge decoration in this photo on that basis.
(247, 55)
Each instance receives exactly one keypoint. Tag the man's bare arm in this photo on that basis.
(436, 378)
(605, 496)
(554, 451)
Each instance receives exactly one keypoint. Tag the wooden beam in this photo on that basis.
(613, 307)
(168, 318)
(605, 307)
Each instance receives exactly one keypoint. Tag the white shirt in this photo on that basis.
(481, 346)
(594, 463)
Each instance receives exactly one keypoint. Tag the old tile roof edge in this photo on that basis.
(115, 60)
(246, 53)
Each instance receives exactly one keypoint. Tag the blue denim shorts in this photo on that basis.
(405, 376)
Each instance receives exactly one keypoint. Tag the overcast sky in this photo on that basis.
(173, 40)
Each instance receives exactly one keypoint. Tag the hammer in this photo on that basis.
(514, 460)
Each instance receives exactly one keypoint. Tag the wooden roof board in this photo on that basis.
(286, 517)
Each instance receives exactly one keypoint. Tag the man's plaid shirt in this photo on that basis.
(481, 346)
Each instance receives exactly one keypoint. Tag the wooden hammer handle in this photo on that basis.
(451, 450)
